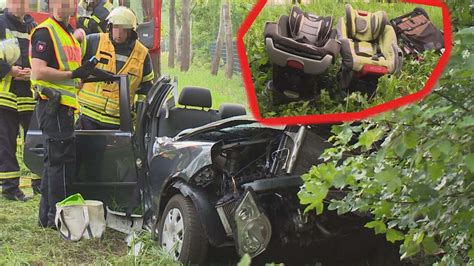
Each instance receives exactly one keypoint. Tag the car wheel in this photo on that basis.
(180, 232)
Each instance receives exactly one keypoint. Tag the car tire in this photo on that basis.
(181, 226)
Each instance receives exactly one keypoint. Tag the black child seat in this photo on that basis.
(416, 32)
(300, 46)
(177, 119)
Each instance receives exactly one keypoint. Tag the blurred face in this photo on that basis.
(119, 34)
(62, 9)
(18, 7)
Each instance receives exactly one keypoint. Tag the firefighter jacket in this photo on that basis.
(100, 101)
(16, 95)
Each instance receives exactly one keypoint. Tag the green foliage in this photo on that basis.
(331, 98)
(223, 90)
(411, 169)
(23, 242)
(205, 16)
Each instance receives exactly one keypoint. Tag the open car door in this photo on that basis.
(106, 163)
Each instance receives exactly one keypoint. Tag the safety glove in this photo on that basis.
(102, 74)
(83, 71)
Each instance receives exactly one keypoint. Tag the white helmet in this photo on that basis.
(124, 17)
(10, 50)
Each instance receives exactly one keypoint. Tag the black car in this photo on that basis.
(199, 178)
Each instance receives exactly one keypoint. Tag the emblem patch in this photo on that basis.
(40, 47)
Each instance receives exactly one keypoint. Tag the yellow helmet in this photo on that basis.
(124, 17)
(10, 51)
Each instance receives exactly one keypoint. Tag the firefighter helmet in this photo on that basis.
(10, 50)
(123, 17)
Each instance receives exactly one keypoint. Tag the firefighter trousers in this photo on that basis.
(59, 158)
(10, 121)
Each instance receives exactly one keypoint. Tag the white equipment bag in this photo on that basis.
(75, 222)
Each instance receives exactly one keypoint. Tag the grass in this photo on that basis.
(332, 99)
(22, 241)
(223, 90)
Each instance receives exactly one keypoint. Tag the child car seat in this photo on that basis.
(299, 46)
(416, 32)
(369, 47)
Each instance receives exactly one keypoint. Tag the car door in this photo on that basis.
(106, 162)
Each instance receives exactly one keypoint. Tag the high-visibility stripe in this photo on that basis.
(35, 177)
(6, 83)
(141, 98)
(26, 104)
(149, 77)
(7, 99)
(9, 175)
(121, 58)
(20, 35)
(100, 117)
(96, 19)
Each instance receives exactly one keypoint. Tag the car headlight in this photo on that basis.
(253, 227)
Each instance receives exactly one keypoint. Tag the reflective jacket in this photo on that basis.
(96, 23)
(100, 101)
(68, 56)
(15, 94)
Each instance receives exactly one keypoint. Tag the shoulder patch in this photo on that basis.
(40, 47)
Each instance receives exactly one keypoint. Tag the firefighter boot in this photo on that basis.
(11, 190)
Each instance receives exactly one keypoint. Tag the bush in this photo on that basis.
(415, 170)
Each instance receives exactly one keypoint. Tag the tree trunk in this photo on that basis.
(172, 41)
(186, 28)
(179, 44)
(229, 68)
(219, 43)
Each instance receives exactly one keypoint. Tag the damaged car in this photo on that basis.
(199, 178)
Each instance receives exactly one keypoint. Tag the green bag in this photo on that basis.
(72, 200)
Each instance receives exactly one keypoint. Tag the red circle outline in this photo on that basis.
(341, 117)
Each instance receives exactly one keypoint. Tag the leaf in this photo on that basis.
(467, 122)
(470, 254)
(469, 161)
(400, 149)
(445, 147)
(435, 171)
(394, 235)
(410, 139)
(429, 245)
(369, 137)
(246, 260)
(387, 175)
(339, 180)
(378, 226)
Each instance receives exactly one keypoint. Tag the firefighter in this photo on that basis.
(119, 52)
(97, 21)
(56, 71)
(16, 98)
